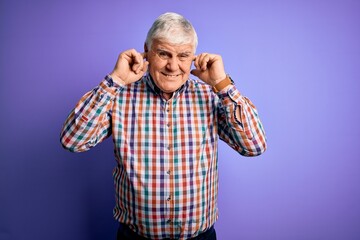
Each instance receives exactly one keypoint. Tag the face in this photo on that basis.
(169, 64)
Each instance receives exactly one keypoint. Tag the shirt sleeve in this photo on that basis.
(89, 123)
(239, 123)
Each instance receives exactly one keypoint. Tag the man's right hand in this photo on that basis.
(130, 67)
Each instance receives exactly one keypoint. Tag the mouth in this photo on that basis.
(171, 75)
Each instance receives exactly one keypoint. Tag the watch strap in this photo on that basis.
(222, 84)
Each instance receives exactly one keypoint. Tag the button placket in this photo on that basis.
(168, 122)
(167, 145)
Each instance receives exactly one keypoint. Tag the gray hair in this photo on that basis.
(174, 28)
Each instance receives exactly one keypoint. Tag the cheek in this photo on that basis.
(186, 67)
(154, 65)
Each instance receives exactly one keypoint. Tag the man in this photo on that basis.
(165, 128)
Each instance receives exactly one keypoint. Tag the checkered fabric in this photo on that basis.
(166, 177)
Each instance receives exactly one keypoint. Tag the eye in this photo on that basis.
(163, 55)
(184, 56)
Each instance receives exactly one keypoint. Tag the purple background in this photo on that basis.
(299, 62)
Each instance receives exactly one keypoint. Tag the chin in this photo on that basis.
(169, 89)
(169, 86)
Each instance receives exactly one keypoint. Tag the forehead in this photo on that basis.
(171, 47)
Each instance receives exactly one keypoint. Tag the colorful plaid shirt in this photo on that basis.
(166, 177)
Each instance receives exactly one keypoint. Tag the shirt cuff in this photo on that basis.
(230, 96)
(110, 86)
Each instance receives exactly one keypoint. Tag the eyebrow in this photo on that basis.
(169, 52)
(165, 50)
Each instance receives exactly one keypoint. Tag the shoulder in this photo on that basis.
(201, 91)
(135, 86)
(200, 86)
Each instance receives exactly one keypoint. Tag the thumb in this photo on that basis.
(195, 72)
(202, 75)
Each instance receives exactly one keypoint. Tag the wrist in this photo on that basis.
(116, 79)
(219, 80)
(222, 84)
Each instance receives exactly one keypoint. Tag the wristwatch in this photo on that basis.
(222, 84)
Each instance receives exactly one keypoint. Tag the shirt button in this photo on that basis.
(169, 198)
(168, 171)
(168, 124)
(168, 221)
(169, 147)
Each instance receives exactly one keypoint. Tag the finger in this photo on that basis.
(142, 71)
(203, 62)
(196, 61)
(136, 66)
(145, 67)
(138, 63)
(199, 60)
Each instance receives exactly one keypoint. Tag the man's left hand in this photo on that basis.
(209, 68)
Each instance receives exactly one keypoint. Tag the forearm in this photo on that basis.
(241, 127)
(89, 122)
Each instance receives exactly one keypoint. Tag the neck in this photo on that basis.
(167, 96)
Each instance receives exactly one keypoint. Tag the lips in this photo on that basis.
(170, 75)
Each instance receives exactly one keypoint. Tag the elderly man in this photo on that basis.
(165, 127)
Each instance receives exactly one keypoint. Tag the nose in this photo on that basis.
(173, 64)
